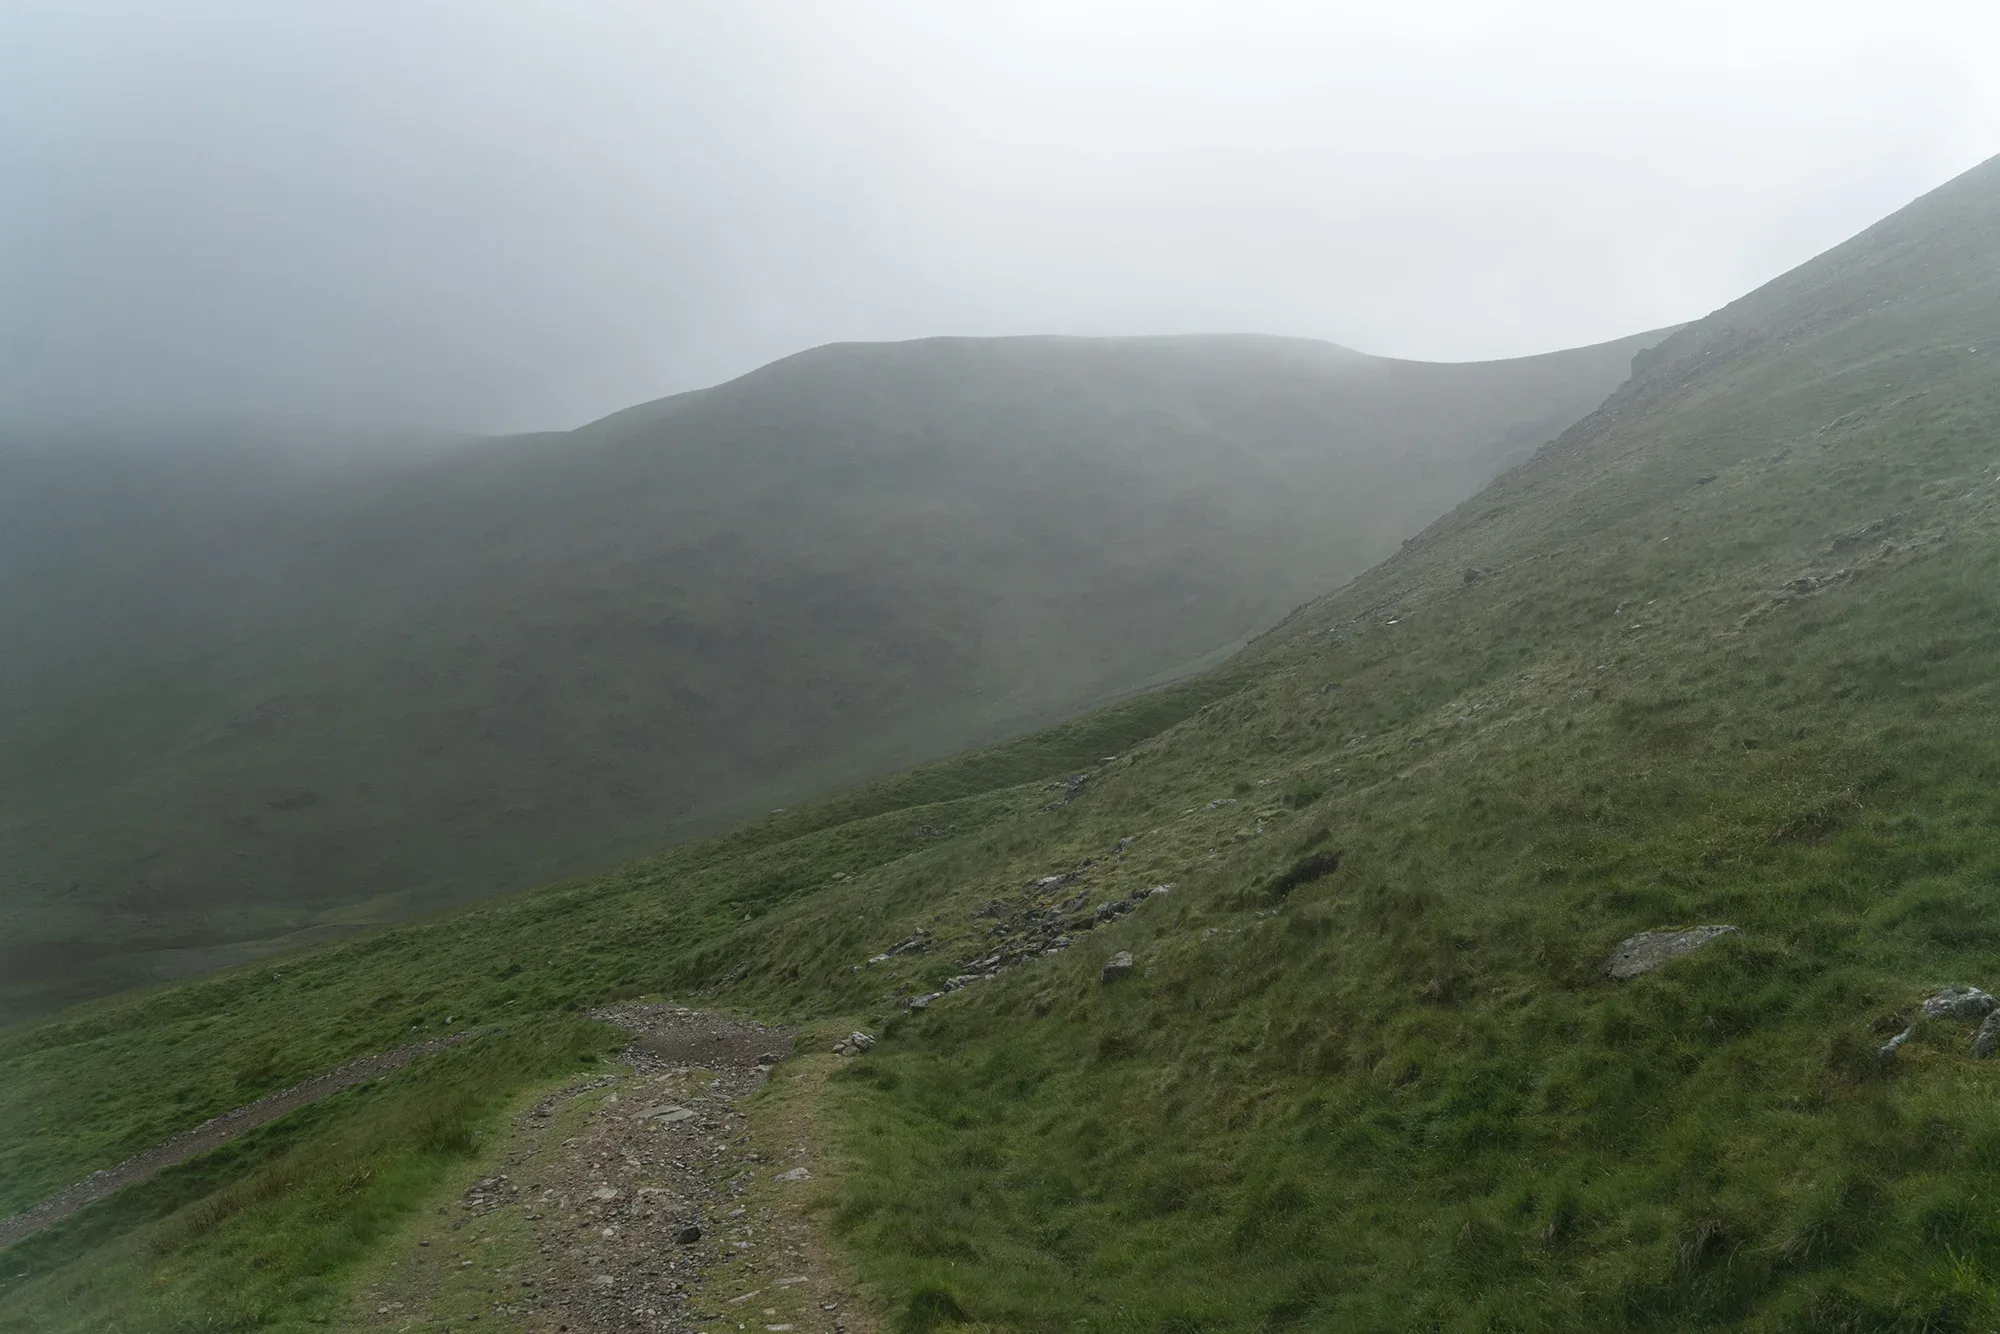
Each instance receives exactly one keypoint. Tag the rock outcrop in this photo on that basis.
(1649, 949)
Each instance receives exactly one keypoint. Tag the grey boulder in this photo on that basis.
(1118, 965)
(1960, 1003)
(1649, 949)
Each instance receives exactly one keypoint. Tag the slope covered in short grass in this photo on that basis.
(1725, 652)
(246, 694)
(261, 1235)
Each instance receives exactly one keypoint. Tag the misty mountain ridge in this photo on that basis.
(247, 695)
(1290, 995)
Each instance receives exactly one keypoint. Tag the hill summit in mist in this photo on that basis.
(1298, 995)
(247, 695)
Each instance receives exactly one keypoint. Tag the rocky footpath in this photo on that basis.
(1045, 918)
(631, 1202)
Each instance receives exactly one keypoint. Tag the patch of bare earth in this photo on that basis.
(640, 1200)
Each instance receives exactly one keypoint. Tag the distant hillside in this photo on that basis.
(247, 693)
(1724, 653)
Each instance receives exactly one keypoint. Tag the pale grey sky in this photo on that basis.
(510, 214)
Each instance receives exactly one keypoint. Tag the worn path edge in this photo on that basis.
(213, 1133)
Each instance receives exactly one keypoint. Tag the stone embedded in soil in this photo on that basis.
(667, 1114)
(1118, 965)
(1649, 949)
(1960, 1003)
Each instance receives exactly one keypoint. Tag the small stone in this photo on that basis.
(1887, 1051)
(860, 1041)
(1118, 965)
(688, 1235)
(604, 1193)
(795, 1174)
(1987, 1040)
(1960, 1003)
(1649, 949)
(667, 1114)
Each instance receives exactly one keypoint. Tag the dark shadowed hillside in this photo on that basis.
(249, 693)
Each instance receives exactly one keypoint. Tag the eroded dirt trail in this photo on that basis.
(632, 1201)
(213, 1134)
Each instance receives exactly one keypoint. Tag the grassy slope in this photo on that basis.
(1402, 1096)
(246, 695)
(87, 1088)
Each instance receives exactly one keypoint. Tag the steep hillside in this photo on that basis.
(1724, 653)
(248, 696)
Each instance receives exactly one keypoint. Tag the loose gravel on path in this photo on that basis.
(628, 1202)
